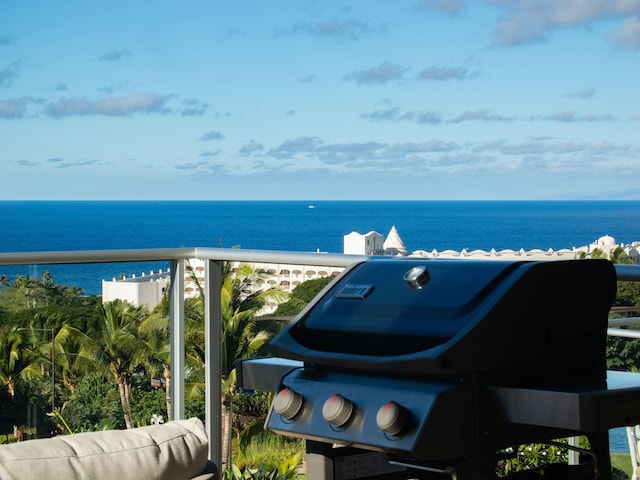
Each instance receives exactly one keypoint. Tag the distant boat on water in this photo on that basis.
(311, 206)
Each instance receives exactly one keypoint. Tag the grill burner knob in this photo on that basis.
(392, 418)
(337, 410)
(287, 403)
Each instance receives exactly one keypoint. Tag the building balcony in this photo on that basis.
(293, 268)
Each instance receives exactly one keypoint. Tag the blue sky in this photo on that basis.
(367, 99)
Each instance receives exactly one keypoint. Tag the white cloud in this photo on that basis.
(120, 107)
(528, 21)
(436, 72)
(394, 114)
(13, 108)
(337, 29)
(9, 74)
(570, 117)
(482, 115)
(114, 55)
(628, 35)
(307, 79)
(451, 7)
(212, 135)
(193, 107)
(584, 93)
(383, 73)
(61, 163)
(250, 148)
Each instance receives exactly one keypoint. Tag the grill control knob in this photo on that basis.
(392, 418)
(287, 403)
(337, 410)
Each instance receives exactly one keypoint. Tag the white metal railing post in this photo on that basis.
(213, 365)
(574, 455)
(632, 440)
(177, 339)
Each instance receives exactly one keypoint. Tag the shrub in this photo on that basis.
(94, 405)
(526, 457)
(301, 295)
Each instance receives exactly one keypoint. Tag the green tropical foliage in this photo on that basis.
(116, 348)
(256, 446)
(285, 471)
(526, 457)
(301, 296)
(241, 338)
(107, 354)
(624, 353)
(94, 405)
(16, 358)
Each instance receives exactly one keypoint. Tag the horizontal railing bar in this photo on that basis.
(95, 256)
(275, 256)
(163, 254)
(623, 272)
(621, 322)
(620, 309)
(623, 332)
(627, 272)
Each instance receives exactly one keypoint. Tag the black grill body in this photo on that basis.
(441, 363)
(514, 321)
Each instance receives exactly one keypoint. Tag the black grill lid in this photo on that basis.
(458, 316)
(376, 298)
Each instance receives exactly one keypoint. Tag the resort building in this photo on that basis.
(143, 290)
(371, 243)
(149, 289)
(394, 245)
(605, 244)
(608, 244)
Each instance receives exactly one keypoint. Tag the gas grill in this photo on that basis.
(422, 369)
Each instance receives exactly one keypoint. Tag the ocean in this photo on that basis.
(28, 226)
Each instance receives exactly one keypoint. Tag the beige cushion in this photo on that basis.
(176, 450)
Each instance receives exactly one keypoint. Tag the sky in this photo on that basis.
(319, 100)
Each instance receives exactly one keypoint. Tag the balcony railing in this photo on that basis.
(214, 258)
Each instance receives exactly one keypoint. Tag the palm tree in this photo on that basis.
(155, 327)
(116, 348)
(241, 338)
(618, 255)
(68, 360)
(16, 358)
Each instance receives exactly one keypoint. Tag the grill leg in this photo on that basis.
(327, 463)
(319, 467)
(599, 442)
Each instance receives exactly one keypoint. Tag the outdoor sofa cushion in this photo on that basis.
(176, 450)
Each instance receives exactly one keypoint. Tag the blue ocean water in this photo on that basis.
(291, 225)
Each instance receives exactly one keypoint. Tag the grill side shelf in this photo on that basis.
(595, 408)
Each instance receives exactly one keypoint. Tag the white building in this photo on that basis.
(394, 245)
(149, 289)
(371, 243)
(608, 244)
(144, 290)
